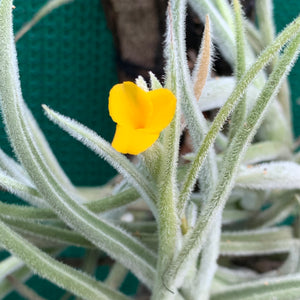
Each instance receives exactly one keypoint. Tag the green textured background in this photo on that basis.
(68, 62)
(284, 13)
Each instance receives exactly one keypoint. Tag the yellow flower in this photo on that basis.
(140, 116)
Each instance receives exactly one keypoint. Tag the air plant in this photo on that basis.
(225, 200)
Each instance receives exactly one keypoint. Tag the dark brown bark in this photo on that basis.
(138, 29)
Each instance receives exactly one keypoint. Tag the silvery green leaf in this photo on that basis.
(13, 169)
(141, 82)
(114, 201)
(283, 175)
(217, 90)
(9, 265)
(104, 149)
(276, 131)
(92, 193)
(155, 84)
(280, 288)
(49, 233)
(225, 10)
(168, 233)
(264, 13)
(202, 282)
(234, 215)
(222, 31)
(195, 120)
(116, 276)
(257, 242)
(249, 200)
(152, 159)
(281, 208)
(20, 212)
(240, 112)
(230, 276)
(265, 234)
(254, 37)
(265, 151)
(40, 140)
(291, 264)
(239, 144)
(44, 11)
(31, 153)
(225, 40)
(6, 286)
(24, 290)
(26, 192)
(65, 276)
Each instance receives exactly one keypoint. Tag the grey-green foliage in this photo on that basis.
(154, 223)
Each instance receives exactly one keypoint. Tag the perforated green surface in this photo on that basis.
(67, 62)
(284, 13)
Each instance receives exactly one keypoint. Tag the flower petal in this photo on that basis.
(164, 105)
(132, 141)
(129, 105)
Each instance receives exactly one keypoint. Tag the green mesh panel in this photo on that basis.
(67, 62)
(284, 13)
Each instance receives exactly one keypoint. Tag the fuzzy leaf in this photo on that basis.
(13, 169)
(234, 215)
(269, 91)
(280, 288)
(264, 12)
(254, 37)
(48, 233)
(141, 82)
(282, 175)
(18, 212)
(22, 275)
(47, 267)
(196, 122)
(222, 32)
(44, 11)
(104, 149)
(224, 38)
(155, 84)
(9, 265)
(267, 241)
(238, 146)
(201, 285)
(265, 151)
(239, 39)
(217, 90)
(168, 232)
(282, 208)
(25, 192)
(239, 113)
(225, 9)
(31, 154)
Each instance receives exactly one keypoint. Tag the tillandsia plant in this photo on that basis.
(202, 215)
